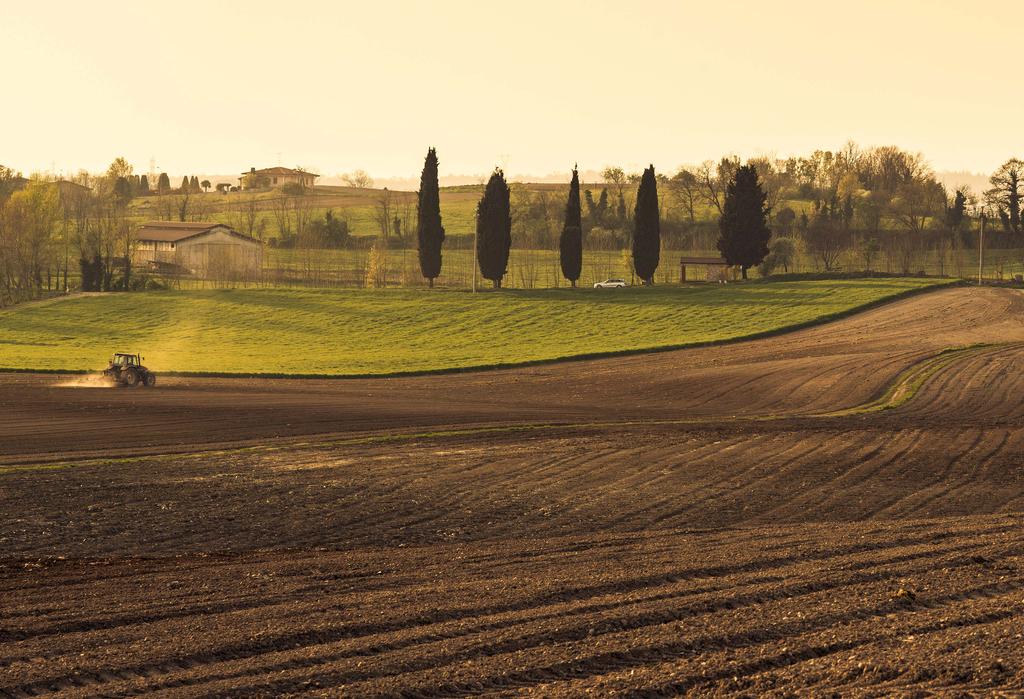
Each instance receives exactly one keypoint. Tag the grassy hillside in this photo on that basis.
(379, 332)
(359, 206)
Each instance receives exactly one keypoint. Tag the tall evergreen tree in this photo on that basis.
(194, 184)
(743, 225)
(494, 229)
(429, 231)
(186, 184)
(647, 228)
(570, 245)
(955, 213)
(163, 183)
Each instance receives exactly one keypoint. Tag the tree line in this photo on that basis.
(852, 207)
(861, 199)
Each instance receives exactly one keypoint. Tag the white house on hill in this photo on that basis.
(276, 177)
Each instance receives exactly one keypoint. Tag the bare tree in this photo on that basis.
(199, 209)
(825, 240)
(166, 207)
(359, 179)
(773, 178)
(714, 178)
(181, 203)
(916, 203)
(382, 213)
(247, 214)
(686, 188)
(615, 176)
(127, 242)
(281, 210)
(302, 205)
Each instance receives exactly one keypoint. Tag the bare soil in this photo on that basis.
(733, 520)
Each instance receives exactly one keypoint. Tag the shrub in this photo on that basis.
(781, 253)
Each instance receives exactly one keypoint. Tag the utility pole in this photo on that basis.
(981, 246)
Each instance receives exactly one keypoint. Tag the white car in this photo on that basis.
(611, 284)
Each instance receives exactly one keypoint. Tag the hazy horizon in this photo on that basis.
(533, 87)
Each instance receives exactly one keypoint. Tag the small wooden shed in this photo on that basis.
(716, 269)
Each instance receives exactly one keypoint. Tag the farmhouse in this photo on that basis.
(275, 177)
(205, 250)
(71, 191)
(716, 269)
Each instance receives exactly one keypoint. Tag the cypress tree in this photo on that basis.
(743, 225)
(86, 276)
(570, 245)
(494, 229)
(186, 185)
(955, 213)
(429, 230)
(194, 184)
(163, 183)
(647, 228)
(602, 208)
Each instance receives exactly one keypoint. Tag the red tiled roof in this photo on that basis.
(280, 171)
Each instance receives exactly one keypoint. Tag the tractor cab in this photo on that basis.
(125, 360)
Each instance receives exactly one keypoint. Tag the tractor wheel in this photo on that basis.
(150, 380)
(130, 378)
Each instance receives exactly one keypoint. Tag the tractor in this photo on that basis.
(127, 370)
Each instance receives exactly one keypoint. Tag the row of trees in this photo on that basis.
(127, 185)
(877, 188)
(858, 206)
(858, 198)
(743, 242)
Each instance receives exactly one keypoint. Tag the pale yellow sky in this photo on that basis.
(214, 87)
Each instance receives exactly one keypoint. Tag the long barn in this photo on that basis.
(205, 250)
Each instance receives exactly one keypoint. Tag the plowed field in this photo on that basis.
(834, 511)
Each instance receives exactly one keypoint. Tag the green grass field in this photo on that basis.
(359, 206)
(353, 332)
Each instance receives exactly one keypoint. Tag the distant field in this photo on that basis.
(359, 206)
(333, 332)
(535, 269)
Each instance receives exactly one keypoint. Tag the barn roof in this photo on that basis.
(72, 185)
(173, 231)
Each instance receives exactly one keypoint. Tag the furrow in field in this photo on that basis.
(955, 556)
